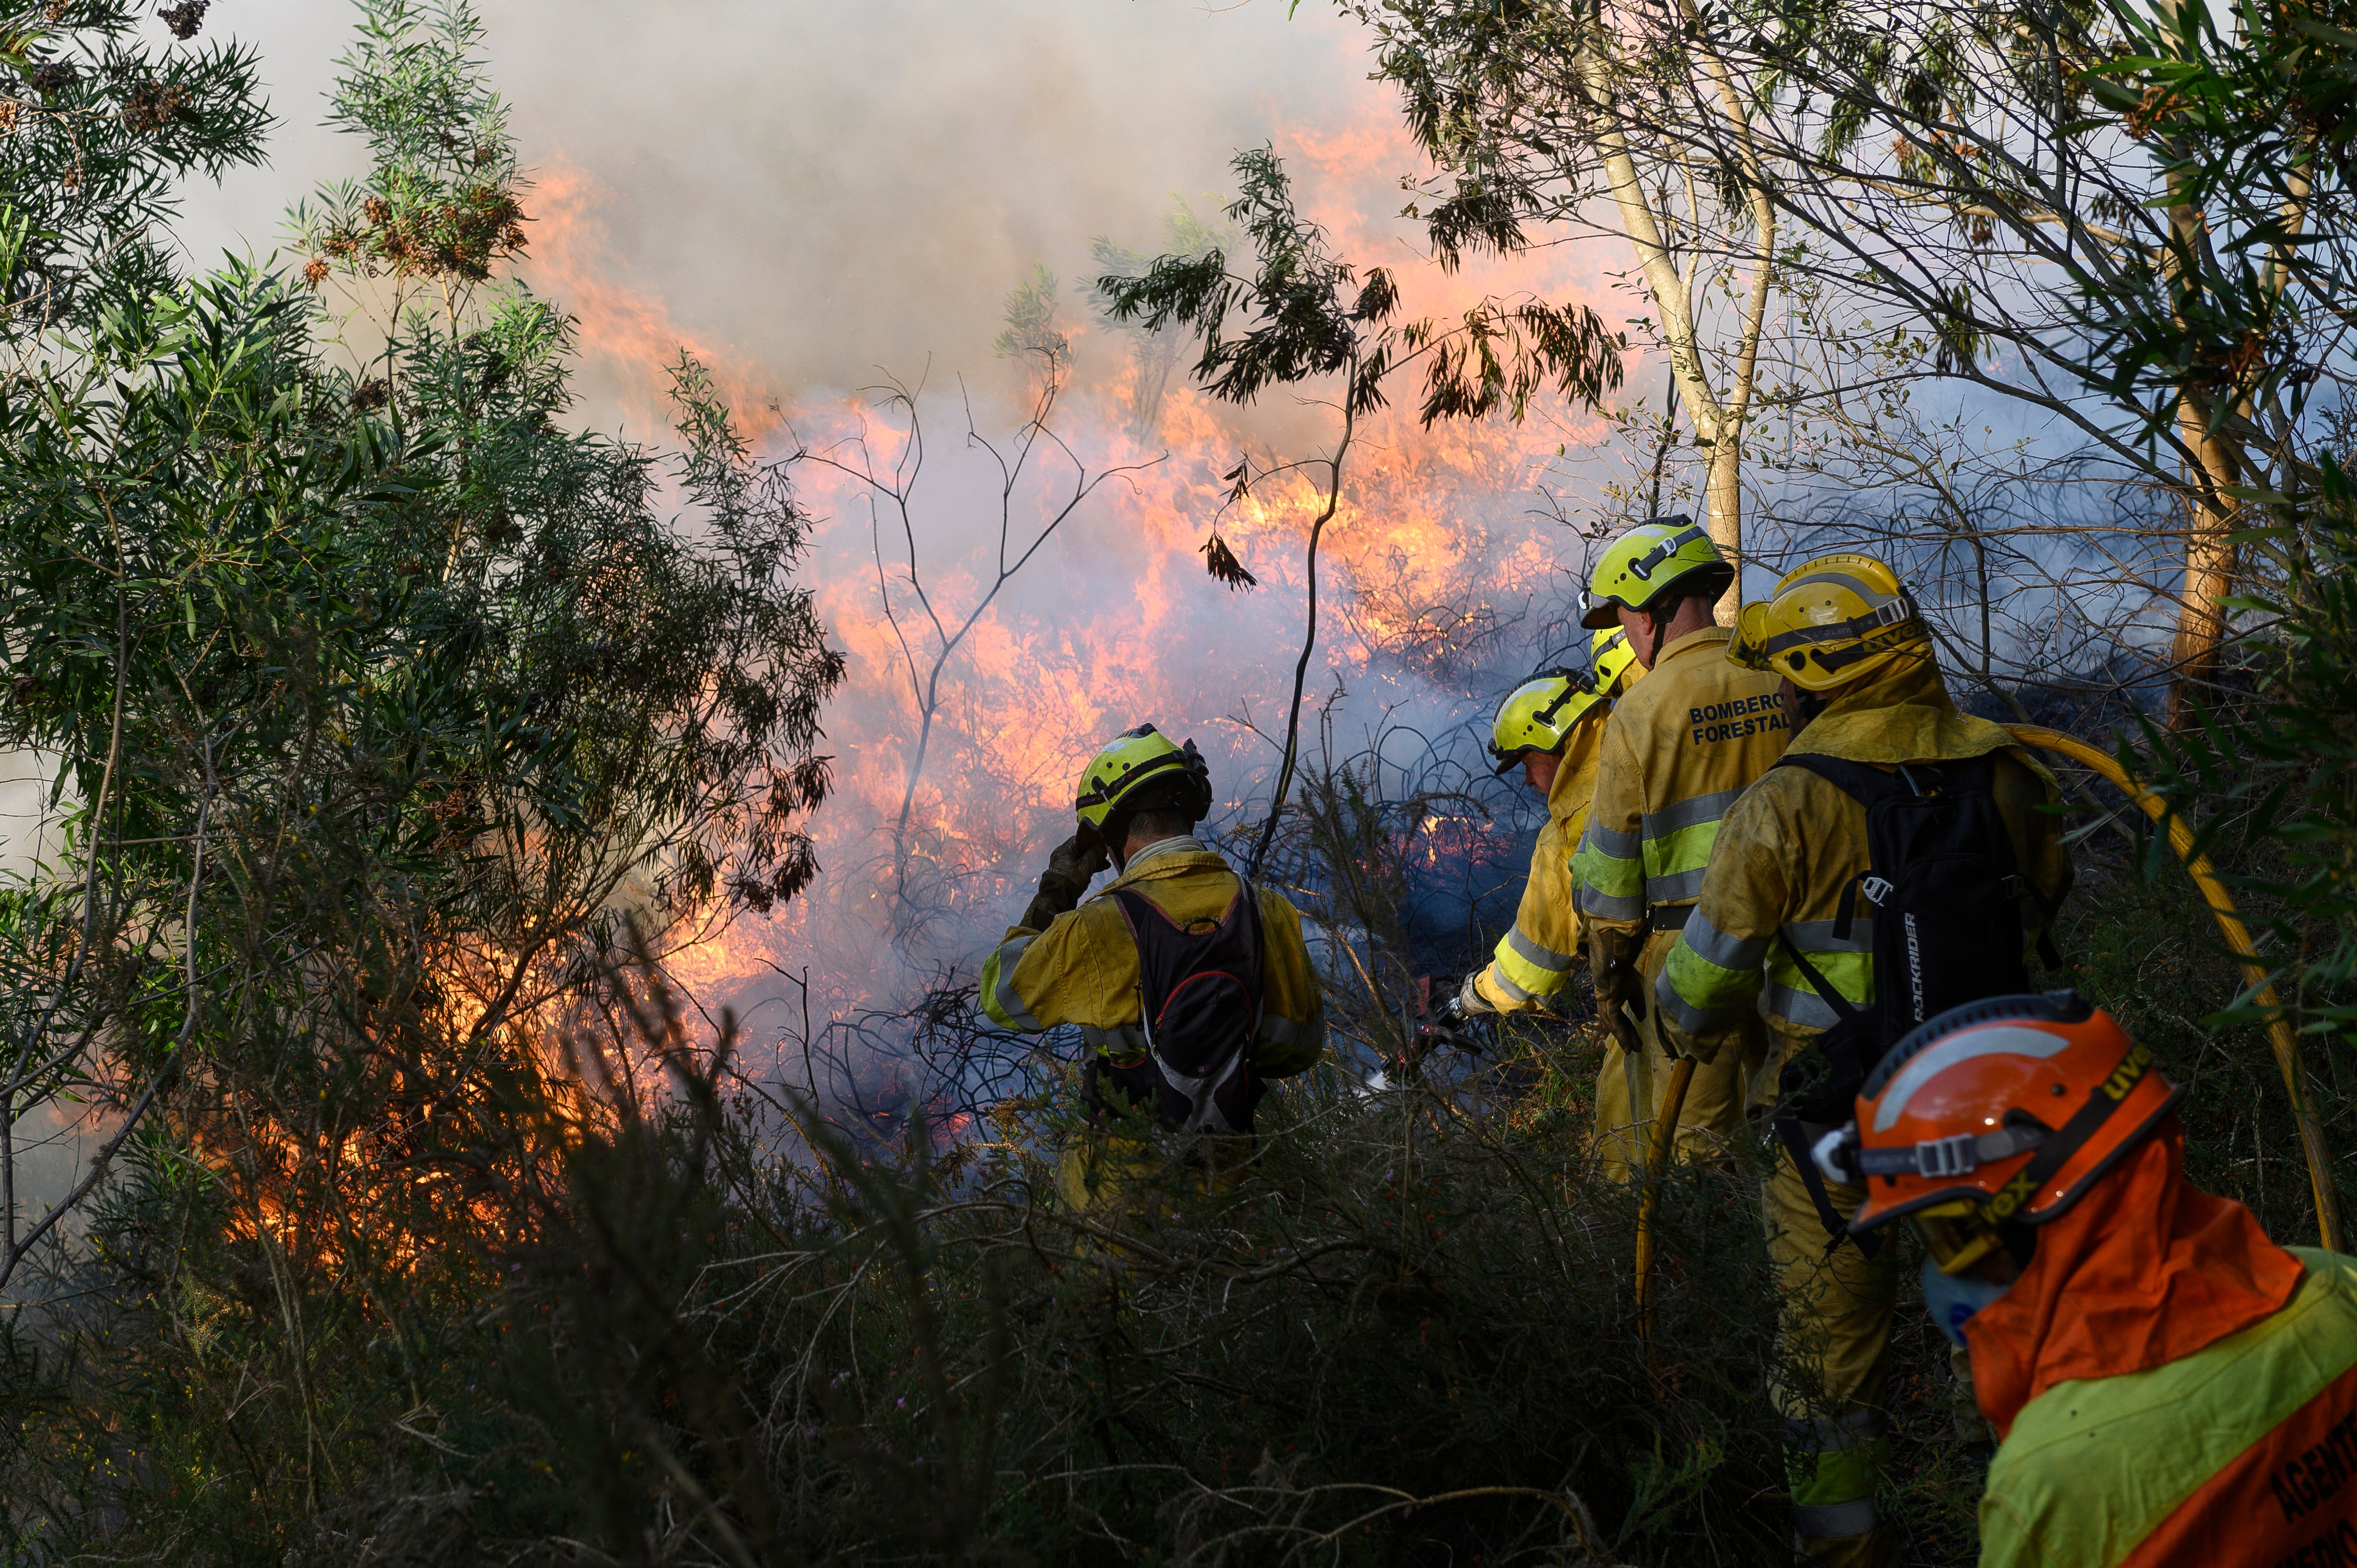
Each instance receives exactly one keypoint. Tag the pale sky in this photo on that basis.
(825, 188)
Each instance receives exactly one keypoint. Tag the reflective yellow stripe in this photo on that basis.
(1843, 1476)
(1520, 977)
(1711, 978)
(1610, 876)
(1000, 1001)
(1677, 844)
(1794, 1000)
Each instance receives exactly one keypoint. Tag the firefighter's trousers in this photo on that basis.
(1629, 1089)
(1832, 1363)
(1106, 1176)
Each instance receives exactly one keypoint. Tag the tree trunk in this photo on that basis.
(1724, 514)
(2211, 472)
(1718, 421)
(2209, 566)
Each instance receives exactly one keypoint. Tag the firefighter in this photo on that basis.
(1175, 913)
(2172, 1387)
(1550, 727)
(1677, 750)
(1786, 927)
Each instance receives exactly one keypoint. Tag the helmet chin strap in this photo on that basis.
(1657, 621)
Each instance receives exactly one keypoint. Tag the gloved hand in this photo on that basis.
(1071, 866)
(1620, 988)
(1471, 1003)
(1078, 859)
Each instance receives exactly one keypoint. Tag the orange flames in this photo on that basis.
(1438, 543)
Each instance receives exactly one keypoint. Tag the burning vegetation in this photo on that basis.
(494, 1067)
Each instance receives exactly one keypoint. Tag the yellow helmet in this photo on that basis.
(1538, 714)
(1116, 778)
(1833, 620)
(1668, 557)
(1611, 659)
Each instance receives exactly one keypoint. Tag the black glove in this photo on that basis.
(1078, 859)
(1071, 866)
(1620, 988)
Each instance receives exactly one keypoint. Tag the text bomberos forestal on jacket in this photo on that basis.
(1735, 720)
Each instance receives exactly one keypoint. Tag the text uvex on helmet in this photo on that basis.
(1140, 769)
(2002, 1111)
(1654, 563)
(1831, 621)
(1538, 714)
(1611, 662)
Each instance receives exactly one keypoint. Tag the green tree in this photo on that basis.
(379, 702)
(98, 126)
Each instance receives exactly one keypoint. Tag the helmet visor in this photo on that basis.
(1748, 646)
(1955, 1235)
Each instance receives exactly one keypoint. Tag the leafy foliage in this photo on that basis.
(374, 700)
(96, 128)
(443, 201)
(1306, 314)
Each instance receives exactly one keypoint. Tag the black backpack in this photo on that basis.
(1200, 993)
(1946, 899)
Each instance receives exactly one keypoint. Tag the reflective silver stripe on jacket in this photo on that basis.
(1833, 1521)
(1812, 937)
(1535, 955)
(1605, 907)
(1687, 813)
(1612, 841)
(1505, 982)
(1004, 994)
(1678, 888)
(1833, 1433)
(1800, 1005)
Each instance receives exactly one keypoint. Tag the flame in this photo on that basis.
(1434, 545)
(625, 333)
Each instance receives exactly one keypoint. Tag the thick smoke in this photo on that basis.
(816, 196)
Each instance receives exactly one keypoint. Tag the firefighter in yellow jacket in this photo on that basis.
(1790, 884)
(1551, 726)
(1676, 752)
(1189, 996)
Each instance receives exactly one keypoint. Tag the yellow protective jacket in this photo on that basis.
(1676, 752)
(1535, 959)
(1794, 844)
(1083, 968)
(2243, 1455)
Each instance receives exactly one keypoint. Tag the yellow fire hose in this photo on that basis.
(2279, 1032)
(1657, 1160)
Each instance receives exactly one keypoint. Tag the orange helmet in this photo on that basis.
(2003, 1110)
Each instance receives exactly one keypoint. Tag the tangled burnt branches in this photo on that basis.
(1403, 1325)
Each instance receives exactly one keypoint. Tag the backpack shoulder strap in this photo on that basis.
(1826, 990)
(1861, 781)
(1976, 774)
(1137, 907)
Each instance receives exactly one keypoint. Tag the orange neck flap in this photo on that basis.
(2145, 1269)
